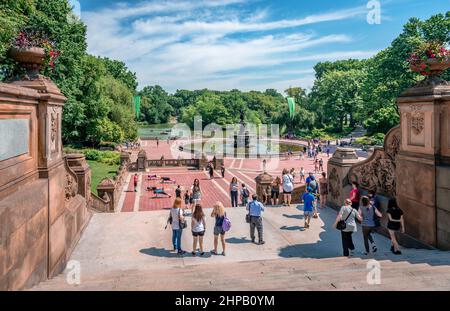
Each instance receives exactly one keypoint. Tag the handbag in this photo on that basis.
(342, 224)
(182, 223)
(247, 218)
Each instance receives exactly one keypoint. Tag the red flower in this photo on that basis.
(423, 66)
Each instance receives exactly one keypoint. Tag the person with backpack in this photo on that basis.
(346, 223)
(198, 225)
(312, 183)
(219, 215)
(370, 221)
(245, 194)
(255, 210)
(178, 223)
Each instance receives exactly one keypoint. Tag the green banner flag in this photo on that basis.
(137, 105)
(291, 103)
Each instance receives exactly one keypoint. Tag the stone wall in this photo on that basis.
(43, 207)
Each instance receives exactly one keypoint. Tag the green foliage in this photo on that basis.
(106, 157)
(382, 120)
(375, 140)
(98, 90)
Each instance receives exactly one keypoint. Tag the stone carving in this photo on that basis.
(71, 186)
(417, 119)
(378, 172)
(53, 126)
(334, 184)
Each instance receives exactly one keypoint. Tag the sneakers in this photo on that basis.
(374, 248)
(261, 242)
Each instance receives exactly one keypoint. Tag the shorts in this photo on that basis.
(218, 230)
(287, 192)
(196, 234)
(308, 213)
(275, 194)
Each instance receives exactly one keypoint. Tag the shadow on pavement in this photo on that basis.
(158, 252)
(242, 240)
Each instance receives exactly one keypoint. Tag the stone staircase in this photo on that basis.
(417, 270)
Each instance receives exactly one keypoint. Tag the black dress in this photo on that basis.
(396, 214)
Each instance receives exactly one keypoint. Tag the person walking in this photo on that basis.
(178, 192)
(176, 220)
(219, 214)
(316, 166)
(211, 171)
(275, 190)
(312, 183)
(348, 216)
(395, 224)
(323, 190)
(222, 171)
(355, 196)
(187, 199)
(245, 194)
(198, 225)
(255, 210)
(234, 190)
(135, 181)
(321, 165)
(308, 199)
(288, 187)
(196, 193)
(368, 213)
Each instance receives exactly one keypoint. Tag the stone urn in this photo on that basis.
(31, 59)
(436, 67)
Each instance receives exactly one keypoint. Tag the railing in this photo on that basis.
(100, 205)
(173, 163)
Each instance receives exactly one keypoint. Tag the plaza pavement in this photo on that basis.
(245, 170)
(132, 251)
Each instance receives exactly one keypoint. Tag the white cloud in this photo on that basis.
(196, 44)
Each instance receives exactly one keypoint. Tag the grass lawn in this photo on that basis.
(100, 171)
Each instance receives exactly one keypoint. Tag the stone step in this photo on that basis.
(293, 274)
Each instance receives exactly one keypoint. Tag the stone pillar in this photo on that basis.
(142, 160)
(263, 187)
(338, 167)
(423, 163)
(105, 189)
(78, 164)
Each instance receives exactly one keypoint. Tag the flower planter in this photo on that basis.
(430, 67)
(31, 59)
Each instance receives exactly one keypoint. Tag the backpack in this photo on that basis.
(226, 225)
(245, 193)
(313, 185)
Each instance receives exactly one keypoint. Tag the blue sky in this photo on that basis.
(242, 44)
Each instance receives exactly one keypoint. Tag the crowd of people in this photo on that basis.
(356, 208)
(366, 209)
